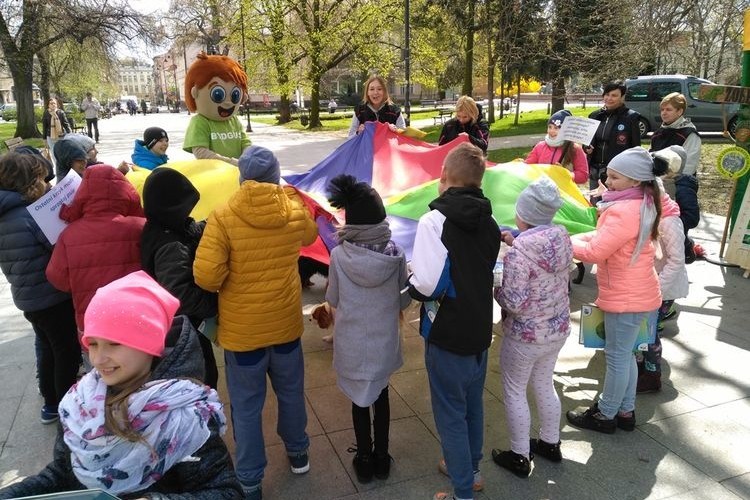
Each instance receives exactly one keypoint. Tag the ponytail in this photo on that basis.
(653, 190)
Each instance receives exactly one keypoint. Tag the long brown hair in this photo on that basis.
(116, 418)
(652, 188)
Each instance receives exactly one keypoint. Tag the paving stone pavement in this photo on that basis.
(691, 442)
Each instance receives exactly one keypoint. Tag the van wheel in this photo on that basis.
(732, 127)
(643, 126)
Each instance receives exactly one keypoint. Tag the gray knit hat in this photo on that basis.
(259, 164)
(539, 202)
(635, 163)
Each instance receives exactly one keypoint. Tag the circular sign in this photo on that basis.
(733, 162)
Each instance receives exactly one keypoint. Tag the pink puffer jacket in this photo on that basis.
(622, 287)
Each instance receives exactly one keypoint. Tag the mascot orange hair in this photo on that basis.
(215, 87)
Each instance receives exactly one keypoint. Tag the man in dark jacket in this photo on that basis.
(455, 251)
(618, 130)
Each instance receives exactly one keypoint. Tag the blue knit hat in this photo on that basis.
(259, 164)
(558, 117)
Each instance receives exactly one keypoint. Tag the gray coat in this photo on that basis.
(365, 288)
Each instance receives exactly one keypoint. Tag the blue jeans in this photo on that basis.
(246, 382)
(456, 386)
(621, 377)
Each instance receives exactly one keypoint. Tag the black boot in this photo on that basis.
(364, 466)
(382, 465)
(517, 464)
(592, 419)
(544, 449)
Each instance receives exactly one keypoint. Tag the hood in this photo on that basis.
(143, 155)
(10, 200)
(182, 354)
(465, 207)
(261, 205)
(103, 190)
(168, 199)
(681, 122)
(367, 268)
(686, 181)
(548, 247)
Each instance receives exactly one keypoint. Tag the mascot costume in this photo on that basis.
(215, 86)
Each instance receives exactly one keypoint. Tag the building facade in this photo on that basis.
(136, 79)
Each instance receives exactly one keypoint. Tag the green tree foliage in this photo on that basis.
(30, 28)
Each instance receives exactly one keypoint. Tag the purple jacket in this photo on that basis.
(534, 295)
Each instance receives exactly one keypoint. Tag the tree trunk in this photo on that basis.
(285, 114)
(491, 64)
(315, 104)
(44, 77)
(21, 70)
(468, 85)
(558, 94)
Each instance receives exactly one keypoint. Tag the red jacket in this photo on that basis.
(103, 239)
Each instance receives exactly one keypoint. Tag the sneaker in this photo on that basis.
(364, 467)
(671, 313)
(592, 419)
(383, 465)
(300, 462)
(49, 415)
(517, 464)
(478, 481)
(542, 448)
(648, 382)
(254, 492)
(626, 422)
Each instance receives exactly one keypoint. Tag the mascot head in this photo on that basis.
(215, 86)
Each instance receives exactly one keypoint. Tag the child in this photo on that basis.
(455, 251)
(554, 150)
(102, 241)
(69, 155)
(137, 425)
(673, 278)
(151, 151)
(170, 239)
(467, 121)
(623, 251)
(24, 254)
(683, 189)
(249, 253)
(367, 271)
(536, 306)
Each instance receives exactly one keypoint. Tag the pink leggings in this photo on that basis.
(524, 363)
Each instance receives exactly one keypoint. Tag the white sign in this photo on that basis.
(578, 129)
(46, 210)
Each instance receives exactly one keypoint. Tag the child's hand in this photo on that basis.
(507, 237)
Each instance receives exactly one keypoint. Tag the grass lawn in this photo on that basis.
(8, 130)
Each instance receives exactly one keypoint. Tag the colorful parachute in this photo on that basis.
(403, 170)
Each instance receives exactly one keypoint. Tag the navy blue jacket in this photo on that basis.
(686, 196)
(24, 254)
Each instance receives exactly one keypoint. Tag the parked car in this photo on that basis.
(645, 93)
(9, 112)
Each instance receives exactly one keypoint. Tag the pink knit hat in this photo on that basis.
(134, 311)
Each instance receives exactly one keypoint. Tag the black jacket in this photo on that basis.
(665, 137)
(47, 118)
(686, 196)
(617, 132)
(210, 477)
(454, 254)
(479, 132)
(170, 240)
(388, 113)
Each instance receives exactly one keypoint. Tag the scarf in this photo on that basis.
(647, 213)
(554, 143)
(171, 416)
(366, 234)
(55, 129)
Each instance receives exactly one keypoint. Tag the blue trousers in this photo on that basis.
(246, 382)
(621, 377)
(456, 386)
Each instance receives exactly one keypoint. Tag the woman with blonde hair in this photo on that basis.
(54, 125)
(468, 121)
(376, 106)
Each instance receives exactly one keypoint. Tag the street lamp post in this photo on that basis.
(407, 64)
(244, 61)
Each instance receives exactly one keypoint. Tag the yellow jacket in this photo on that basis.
(249, 253)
